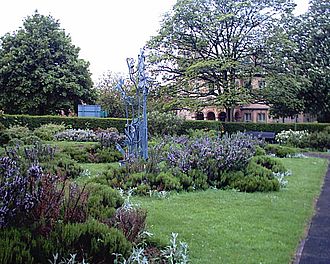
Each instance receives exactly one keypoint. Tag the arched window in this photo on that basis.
(222, 116)
(210, 116)
(199, 116)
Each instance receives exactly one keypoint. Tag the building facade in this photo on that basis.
(257, 112)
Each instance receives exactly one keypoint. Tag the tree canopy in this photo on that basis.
(312, 36)
(203, 46)
(108, 96)
(40, 69)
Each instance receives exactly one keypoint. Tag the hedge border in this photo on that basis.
(232, 127)
(33, 122)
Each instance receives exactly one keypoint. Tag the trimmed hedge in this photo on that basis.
(233, 127)
(33, 122)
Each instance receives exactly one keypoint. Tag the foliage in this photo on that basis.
(15, 131)
(33, 122)
(320, 140)
(31, 140)
(110, 137)
(41, 72)
(15, 246)
(204, 45)
(164, 123)
(131, 220)
(108, 96)
(47, 131)
(281, 93)
(103, 201)
(76, 135)
(96, 240)
(279, 151)
(311, 37)
(292, 138)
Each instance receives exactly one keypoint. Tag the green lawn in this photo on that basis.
(232, 227)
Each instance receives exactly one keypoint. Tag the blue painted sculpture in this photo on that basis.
(136, 129)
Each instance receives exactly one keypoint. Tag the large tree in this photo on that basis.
(205, 45)
(297, 61)
(40, 69)
(312, 36)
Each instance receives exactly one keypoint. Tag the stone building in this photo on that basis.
(256, 112)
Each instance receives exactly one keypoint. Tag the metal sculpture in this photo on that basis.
(136, 129)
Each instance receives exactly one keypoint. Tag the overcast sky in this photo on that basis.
(106, 31)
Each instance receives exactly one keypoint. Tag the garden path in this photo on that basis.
(315, 249)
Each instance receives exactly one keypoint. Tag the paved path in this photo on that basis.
(316, 247)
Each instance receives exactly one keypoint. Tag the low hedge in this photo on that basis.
(233, 127)
(33, 122)
(93, 123)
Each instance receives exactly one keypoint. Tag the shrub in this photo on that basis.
(15, 142)
(47, 131)
(211, 155)
(107, 155)
(31, 140)
(167, 181)
(131, 221)
(15, 246)
(109, 137)
(96, 240)
(79, 153)
(103, 201)
(76, 135)
(67, 168)
(292, 138)
(320, 140)
(164, 123)
(280, 151)
(255, 184)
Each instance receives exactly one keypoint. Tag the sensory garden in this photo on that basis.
(203, 196)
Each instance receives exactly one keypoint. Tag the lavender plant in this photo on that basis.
(211, 155)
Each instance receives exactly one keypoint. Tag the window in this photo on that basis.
(261, 117)
(247, 117)
(210, 116)
(199, 116)
(261, 84)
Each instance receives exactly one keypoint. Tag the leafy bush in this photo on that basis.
(320, 140)
(164, 123)
(103, 201)
(107, 155)
(66, 167)
(211, 155)
(47, 131)
(109, 137)
(31, 140)
(98, 241)
(280, 151)
(33, 122)
(15, 246)
(14, 132)
(292, 138)
(130, 220)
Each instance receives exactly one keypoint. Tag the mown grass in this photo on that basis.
(233, 227)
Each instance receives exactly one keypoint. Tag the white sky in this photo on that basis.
(106, 31)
